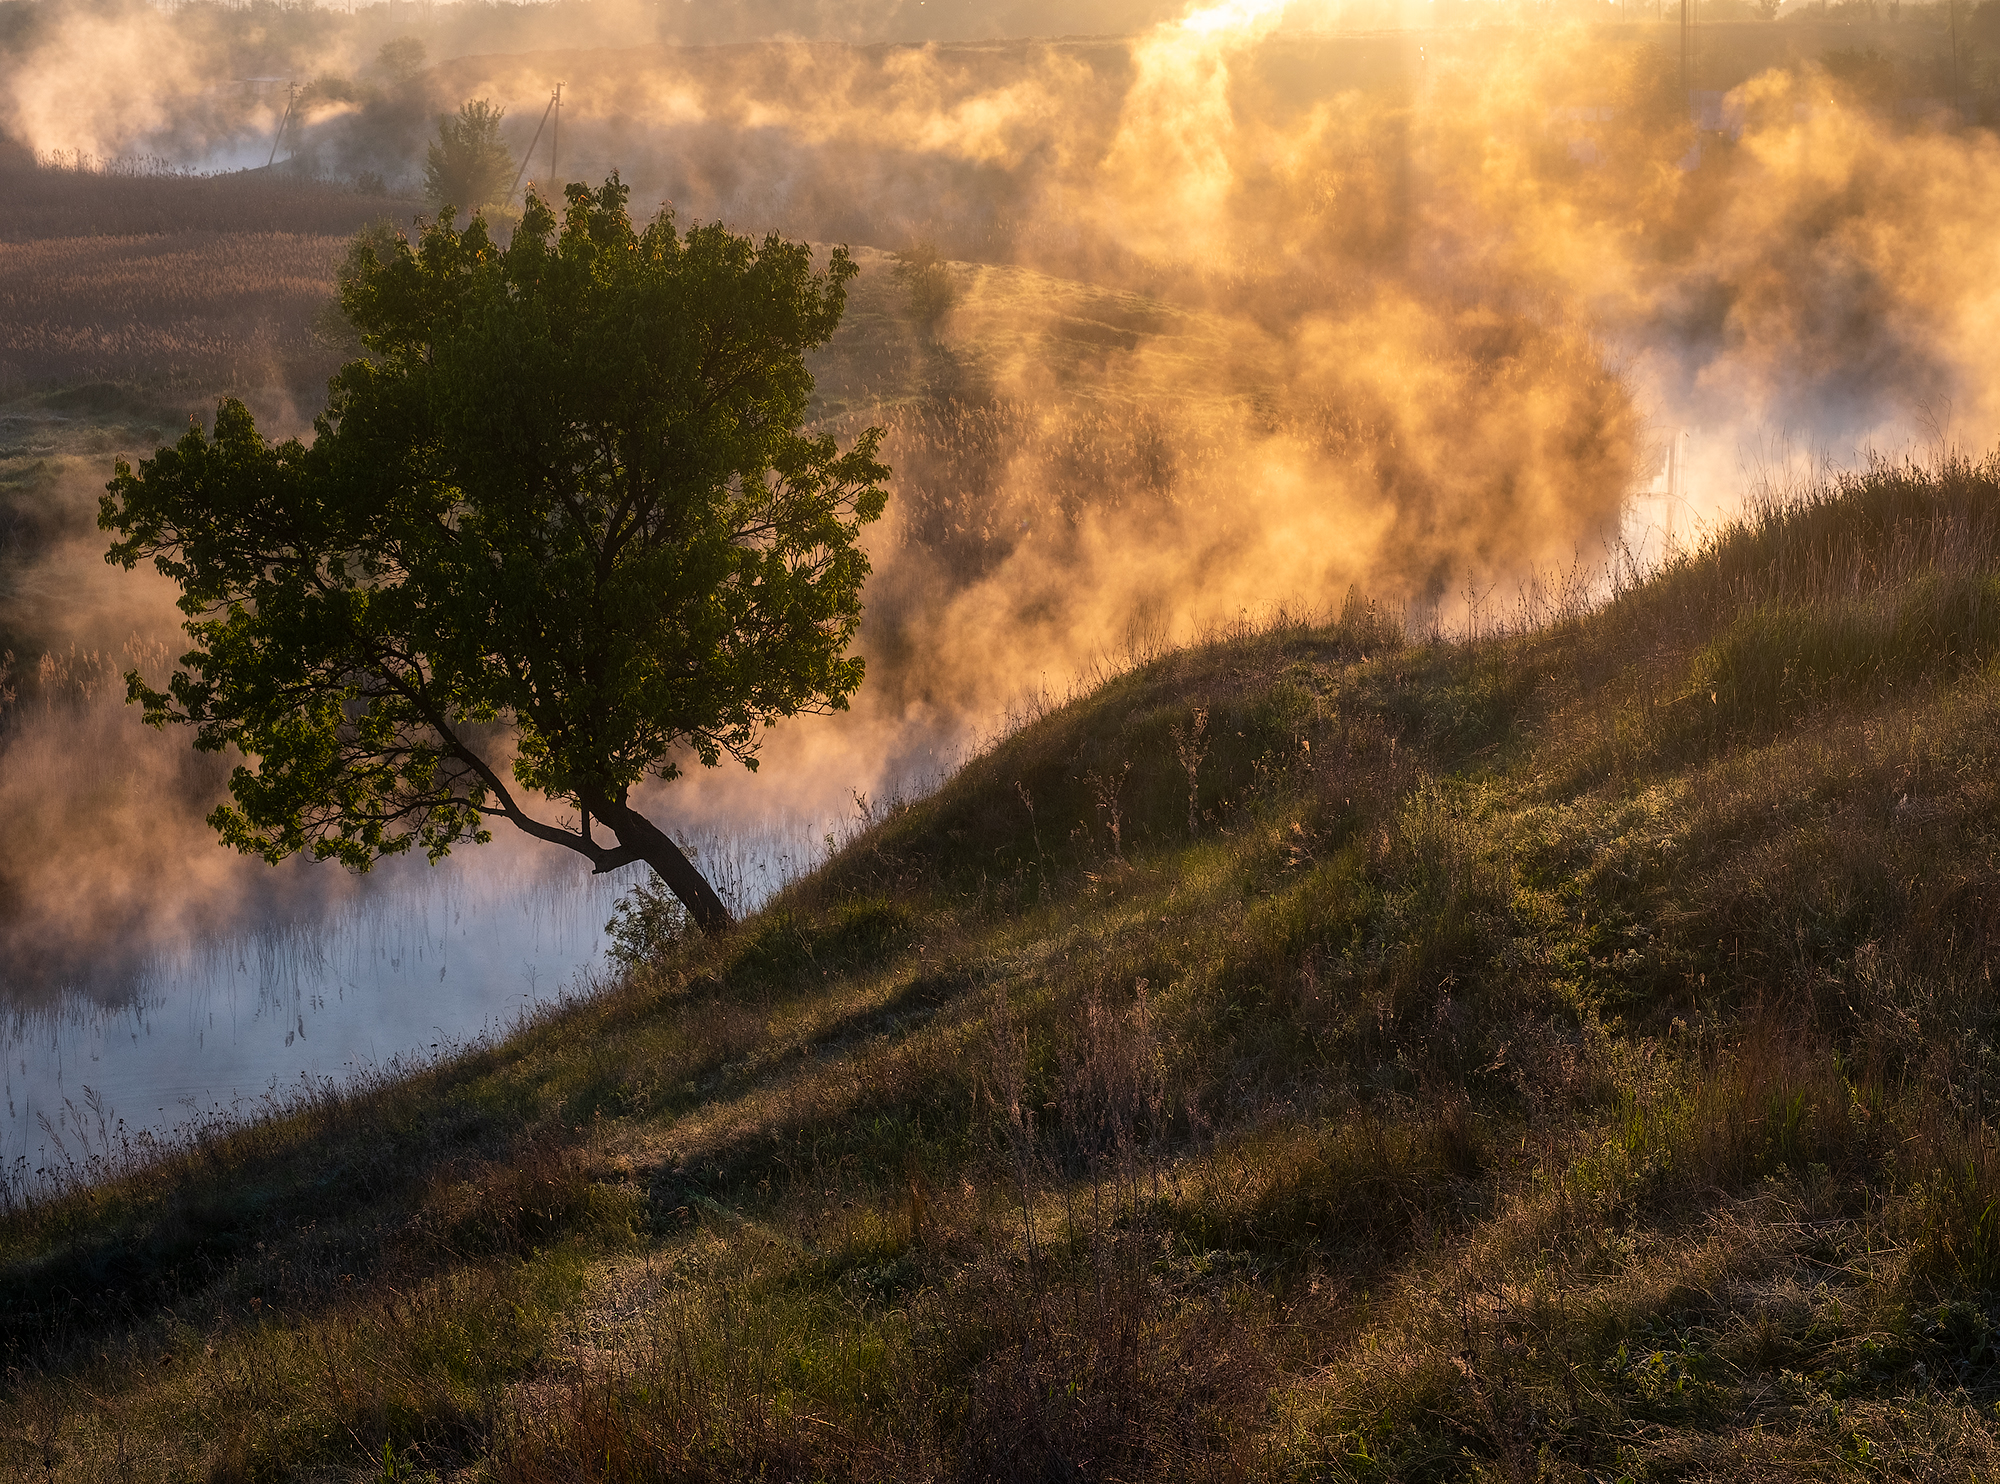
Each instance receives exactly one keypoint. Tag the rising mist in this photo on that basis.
(1248, 306)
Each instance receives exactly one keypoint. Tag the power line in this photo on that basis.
(530, 154)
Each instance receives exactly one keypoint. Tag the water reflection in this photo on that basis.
(409, 960)
(417, 958)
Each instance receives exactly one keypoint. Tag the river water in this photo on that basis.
(409, 962)
(421, 958)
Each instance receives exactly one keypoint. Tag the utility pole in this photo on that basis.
(291, 102)
(1676, 479)
(1952, 13)
(555, 138)
(530, 154)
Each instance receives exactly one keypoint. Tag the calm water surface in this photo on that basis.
(413, 959)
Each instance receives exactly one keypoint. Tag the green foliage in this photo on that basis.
(646, 924)
(401, 60)
(467, 166)
(1869, 76)
(1957, 1217)
(565, 495)
(331, 87)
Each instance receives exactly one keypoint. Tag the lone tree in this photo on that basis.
(559, 529)
(401, 61)
(467, 165)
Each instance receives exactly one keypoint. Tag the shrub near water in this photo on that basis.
(1313, 1054)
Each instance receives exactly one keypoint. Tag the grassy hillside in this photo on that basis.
(1314, 1054)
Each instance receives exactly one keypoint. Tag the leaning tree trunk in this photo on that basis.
(652, 845)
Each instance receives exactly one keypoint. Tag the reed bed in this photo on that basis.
(193, 310)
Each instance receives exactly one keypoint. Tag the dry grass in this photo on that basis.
(199, 309)
(189, 284)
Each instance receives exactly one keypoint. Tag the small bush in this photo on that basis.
(647, 924)
(1770, 1102)
(929, 288)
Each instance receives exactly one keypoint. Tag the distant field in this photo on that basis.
(184, 284)
(183, 309)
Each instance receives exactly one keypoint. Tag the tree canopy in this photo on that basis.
(558, 529)
(467, 164)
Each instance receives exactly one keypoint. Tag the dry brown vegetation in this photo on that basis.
(184, 283)
(200, 309)
(1566, 1054)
